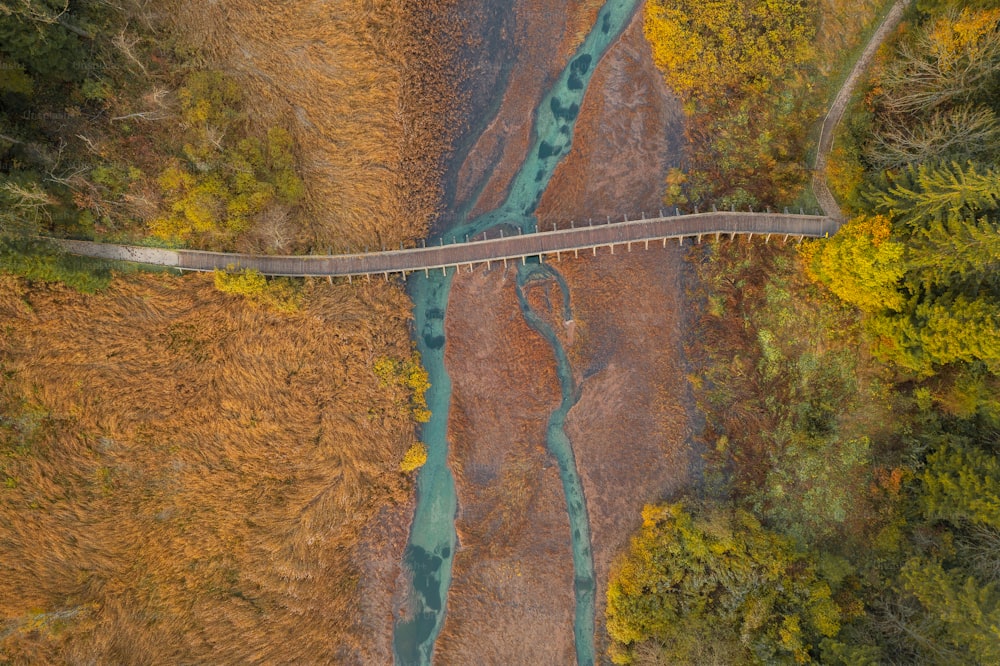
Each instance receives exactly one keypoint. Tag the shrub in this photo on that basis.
(409, 374)
(415, 458)
(279, 294)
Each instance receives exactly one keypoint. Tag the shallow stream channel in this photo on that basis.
(432, 541)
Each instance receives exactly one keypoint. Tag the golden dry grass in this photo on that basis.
(185, 475)
(842, 25)
(366, 88)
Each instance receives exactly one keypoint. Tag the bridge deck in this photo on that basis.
(473, 252)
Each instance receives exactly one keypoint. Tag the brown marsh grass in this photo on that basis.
(367, 89)
(512, 522)
(183, 476)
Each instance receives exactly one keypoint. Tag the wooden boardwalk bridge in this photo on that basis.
(478, 251)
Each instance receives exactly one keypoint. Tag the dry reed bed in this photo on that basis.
(582, 18)
(193, 472)
(367, 89)
(631, 426)
(628, 135)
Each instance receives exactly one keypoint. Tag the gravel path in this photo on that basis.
(826, 200)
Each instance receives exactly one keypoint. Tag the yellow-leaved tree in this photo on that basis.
(279, 294)
(861, 263)
(716, 587)
(712, 49)
(219, 190)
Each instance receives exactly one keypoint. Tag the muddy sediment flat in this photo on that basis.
(545, 34)
(511, 598)
(512, 525)
(378, 558)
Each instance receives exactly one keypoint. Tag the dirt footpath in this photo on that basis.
(820, 187)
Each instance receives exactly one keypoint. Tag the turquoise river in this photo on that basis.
(432, 541)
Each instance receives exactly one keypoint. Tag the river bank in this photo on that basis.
(632, 428)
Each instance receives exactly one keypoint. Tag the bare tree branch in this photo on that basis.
(127, 45)
(926, 75)
(959, 133)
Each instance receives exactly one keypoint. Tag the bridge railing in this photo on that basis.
(479, 250)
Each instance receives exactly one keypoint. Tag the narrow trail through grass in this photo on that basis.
(833, 117)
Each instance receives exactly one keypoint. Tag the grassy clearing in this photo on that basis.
(184, 475)
(40, 262)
